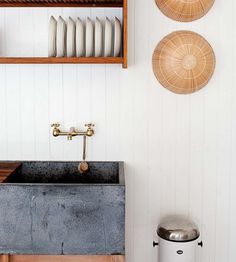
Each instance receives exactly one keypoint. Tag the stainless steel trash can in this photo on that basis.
(178, 239)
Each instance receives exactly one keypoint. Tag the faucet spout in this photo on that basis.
(84, 166)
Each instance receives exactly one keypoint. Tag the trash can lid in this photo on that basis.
(178, 229)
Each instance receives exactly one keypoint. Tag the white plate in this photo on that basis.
(117, 37)
(98, 38)
(52, 34)
(108, 38)
(79, 38)
(89, 37)
(61, 37)
(70, 42)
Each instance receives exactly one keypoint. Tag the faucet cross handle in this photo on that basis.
(89, 125)
(55, 125)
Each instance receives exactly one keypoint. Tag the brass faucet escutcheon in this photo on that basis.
(72, 132)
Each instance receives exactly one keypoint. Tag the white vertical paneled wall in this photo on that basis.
(179, 150)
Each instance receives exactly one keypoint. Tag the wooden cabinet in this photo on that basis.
(45, 258)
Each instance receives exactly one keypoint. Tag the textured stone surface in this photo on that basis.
(66, 172)
(64, 218)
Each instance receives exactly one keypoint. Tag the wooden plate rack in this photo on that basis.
(71, 3)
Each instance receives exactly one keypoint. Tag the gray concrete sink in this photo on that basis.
(50, 208)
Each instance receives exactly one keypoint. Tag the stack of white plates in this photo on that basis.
(84, 39)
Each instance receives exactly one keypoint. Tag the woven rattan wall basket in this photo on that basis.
(185, 10)
(183, 62)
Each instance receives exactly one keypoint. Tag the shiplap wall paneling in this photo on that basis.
(231, 216)
(41, 85)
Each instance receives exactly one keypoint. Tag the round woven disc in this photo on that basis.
(183, 62)
(184, 10)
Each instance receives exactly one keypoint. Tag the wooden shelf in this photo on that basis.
(61, 3)
(61, 60)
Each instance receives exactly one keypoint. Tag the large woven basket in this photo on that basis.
(185, 10)
(183, 62)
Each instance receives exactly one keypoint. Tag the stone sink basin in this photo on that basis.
(50, 208)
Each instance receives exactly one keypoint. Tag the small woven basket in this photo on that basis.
(185, 10)
(183, 62)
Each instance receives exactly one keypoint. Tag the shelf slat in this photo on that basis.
(61, 3)
(61, 60)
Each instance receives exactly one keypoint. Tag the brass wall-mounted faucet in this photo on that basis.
(72, 132)
(83, 166)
